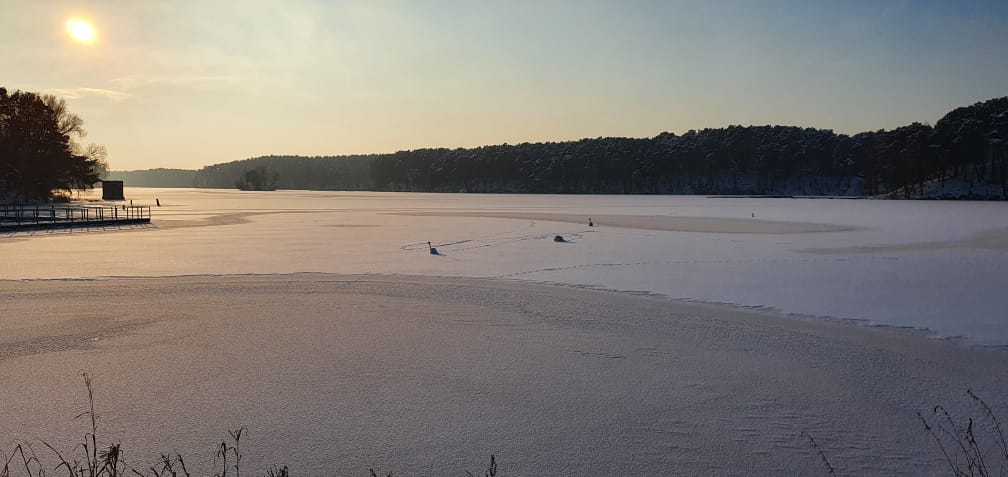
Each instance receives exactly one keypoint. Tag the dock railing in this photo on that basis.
(19, 216)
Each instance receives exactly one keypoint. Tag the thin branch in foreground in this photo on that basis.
(812, 442)
(994, 419)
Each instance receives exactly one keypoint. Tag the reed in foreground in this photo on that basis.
(967, 450)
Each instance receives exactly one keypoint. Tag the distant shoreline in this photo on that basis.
(890, 196)
(963, 156)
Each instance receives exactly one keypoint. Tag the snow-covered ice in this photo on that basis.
(320, 321)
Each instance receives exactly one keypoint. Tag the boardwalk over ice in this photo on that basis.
(47, 216)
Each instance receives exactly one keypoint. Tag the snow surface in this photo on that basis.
(424, 364)
(335, 374)
(938, 266)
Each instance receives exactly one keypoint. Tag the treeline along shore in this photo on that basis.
(963, 156)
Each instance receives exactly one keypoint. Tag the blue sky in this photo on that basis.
(186, 83)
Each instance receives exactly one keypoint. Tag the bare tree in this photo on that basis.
(67, 123)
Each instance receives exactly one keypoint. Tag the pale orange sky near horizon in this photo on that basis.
(183, 84)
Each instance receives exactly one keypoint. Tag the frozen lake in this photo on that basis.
(936, 266)
(320, 321)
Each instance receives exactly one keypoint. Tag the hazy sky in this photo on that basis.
(185, 83)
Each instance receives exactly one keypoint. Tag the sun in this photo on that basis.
(80, 30)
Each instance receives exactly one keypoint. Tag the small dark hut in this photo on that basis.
(112, 190)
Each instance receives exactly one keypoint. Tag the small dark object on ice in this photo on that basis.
(158, 201)
(559, 238)
(433, 251)
(590, 224)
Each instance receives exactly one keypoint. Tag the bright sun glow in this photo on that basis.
(80, 30)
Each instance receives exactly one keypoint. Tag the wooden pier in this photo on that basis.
(48, 216)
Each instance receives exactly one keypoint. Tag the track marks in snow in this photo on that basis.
(490, 241)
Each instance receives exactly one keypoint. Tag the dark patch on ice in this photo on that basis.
(600, 355)
(67, 342)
